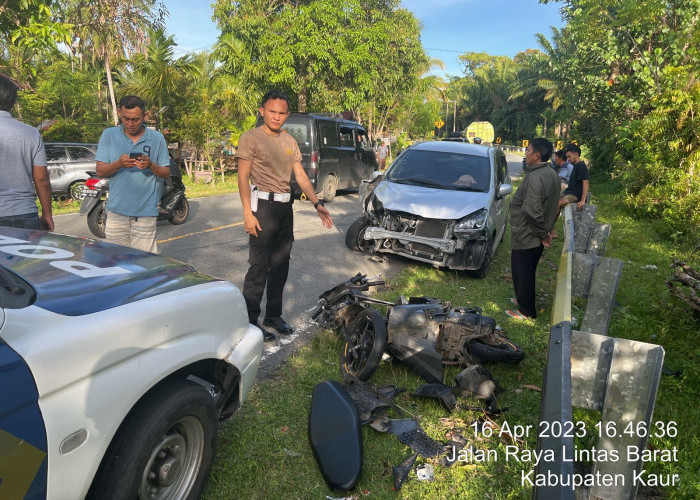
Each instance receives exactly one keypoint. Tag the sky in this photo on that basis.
(449, 27)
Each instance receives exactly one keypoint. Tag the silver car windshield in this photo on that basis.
(441, 170)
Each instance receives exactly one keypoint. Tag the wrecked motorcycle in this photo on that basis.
(425, 333)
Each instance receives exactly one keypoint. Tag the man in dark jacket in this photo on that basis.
(532, 215)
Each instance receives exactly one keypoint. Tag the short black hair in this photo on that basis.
(560, 154)
(274, 94)
(543, 147)
(8, 93)
(573, 148)
(131, 102)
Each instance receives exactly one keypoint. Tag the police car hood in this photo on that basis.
(428, 202)
(76, 276)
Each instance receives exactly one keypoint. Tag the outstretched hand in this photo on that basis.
(325, 216)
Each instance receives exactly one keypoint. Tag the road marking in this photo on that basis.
(200, 232)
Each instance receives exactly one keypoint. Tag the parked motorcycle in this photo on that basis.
(173, 205)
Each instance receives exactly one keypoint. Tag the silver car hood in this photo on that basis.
(431, 203)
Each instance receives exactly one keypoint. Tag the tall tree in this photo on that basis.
(112, 29)
(155, 75)
(332, 55)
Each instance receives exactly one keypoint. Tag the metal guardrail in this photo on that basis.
(618, 377)
(556, 408)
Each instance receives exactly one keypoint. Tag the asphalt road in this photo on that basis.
(214, 242)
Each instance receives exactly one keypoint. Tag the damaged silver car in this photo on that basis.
(445, 203)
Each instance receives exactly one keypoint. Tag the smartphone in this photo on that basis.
(135, 156)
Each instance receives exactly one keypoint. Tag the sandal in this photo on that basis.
(515, 314)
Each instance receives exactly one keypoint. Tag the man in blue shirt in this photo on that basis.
(135, 159)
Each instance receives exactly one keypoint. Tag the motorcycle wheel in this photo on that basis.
(495, 349)
(181, 212)
(97, 219)
(367, 340)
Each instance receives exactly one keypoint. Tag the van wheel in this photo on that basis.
(330, 186)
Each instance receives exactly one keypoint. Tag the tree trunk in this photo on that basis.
(301, 96)
(110, 85)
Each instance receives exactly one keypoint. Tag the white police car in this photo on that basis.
(115, 367)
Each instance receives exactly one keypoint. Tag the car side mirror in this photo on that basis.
(504, 190)
(375, 174)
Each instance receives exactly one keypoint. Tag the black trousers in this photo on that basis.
(524, 266)
(269, 259)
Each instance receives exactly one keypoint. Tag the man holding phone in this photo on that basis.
(135, 159)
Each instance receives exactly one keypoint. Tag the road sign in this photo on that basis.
(560, 144)
(525, 143)
(498, 140)
(439, 123)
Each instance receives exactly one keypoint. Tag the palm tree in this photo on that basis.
(112, 29)
(154, 75)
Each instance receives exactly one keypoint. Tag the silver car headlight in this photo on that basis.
(477, 220)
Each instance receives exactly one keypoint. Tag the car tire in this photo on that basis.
(180, 212)
(77, 190)
(361, 355)
(354, 236)
(330, 186)
(483, 271)
(97, 220)
(497, 350)
(163, 449)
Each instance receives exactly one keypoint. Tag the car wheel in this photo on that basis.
(181, 211)
(330, 186)
(365, 346)
(483, 271)
(77, 190)
(354, 237)
(164, 448)
(97, 220)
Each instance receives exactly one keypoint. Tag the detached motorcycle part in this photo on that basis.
(479, 381)
(97, 219)
(335, 434)
(496, 349)
(420, 356)
(364, 345)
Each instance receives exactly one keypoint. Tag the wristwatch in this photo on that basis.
(319, 202)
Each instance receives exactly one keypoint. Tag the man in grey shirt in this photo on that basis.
(22, 167)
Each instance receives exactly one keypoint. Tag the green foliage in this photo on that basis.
(634, 92)
(329, 55)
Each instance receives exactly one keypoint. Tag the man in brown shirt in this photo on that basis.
(267, 156)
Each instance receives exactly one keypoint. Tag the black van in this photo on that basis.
(336, 153)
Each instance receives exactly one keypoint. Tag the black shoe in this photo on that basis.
(279, 325)
(268, 336)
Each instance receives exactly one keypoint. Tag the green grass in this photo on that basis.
(264, 451)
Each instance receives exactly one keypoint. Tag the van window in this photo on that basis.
(300, 132)
(328, 133)
(346, 139)
(363, 139)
